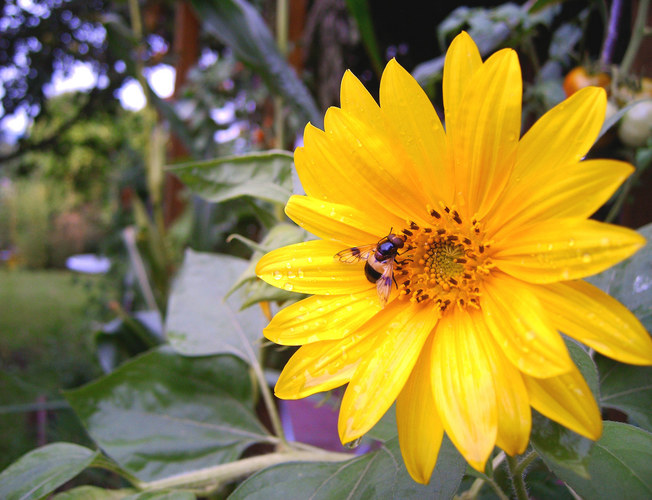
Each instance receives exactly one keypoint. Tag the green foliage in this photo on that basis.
(177, 421)
(237, 24)
(377, 474)
(41, 471)
(621, 461)
(266, 176)
(161, 414)
(199, 322)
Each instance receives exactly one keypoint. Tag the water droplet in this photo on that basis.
(530, 335)
(586, 258)
(300, 273)
(571, 242)
(288, 286)
(277, 275)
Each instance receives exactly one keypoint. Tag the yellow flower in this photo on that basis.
(496, 239)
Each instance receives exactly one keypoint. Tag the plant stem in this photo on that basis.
(234, 470)
(637, 36)
(266, 393)
(517, 479)
(525, 463)
(282, 19)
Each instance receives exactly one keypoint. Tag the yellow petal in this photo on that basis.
(420, 430)
(401, 330)
(323, 366)
(374, 163)
(324, 175)
(589, 315)
(560, 138)
(461, 62)
(514, 414)
(522, 329)
(357, 100)
(564, 249)
(576, 191)
(311, 267)
(334, 221)
(419, 129)
(322, 318)
(464, 388)
(486, 132)
(566, 399)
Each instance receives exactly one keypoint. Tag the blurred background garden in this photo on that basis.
(108, 106)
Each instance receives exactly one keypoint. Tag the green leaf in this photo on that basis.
(630, 282)
(163, 414)
(359, 10)
(237, 24)
(199, 321)
(558, 446)
(94, 493)
(555, 443)
(378, 474)
(628, 389)
(585, 364)
(162, 495)
(266, 175)
(620, 466)
(39, 472)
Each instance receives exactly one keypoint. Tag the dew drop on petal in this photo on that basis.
(277, 275)
(586, 258)
(288, 286)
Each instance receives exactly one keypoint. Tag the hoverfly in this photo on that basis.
(379, 265)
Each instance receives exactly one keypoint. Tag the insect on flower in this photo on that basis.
(380, 260)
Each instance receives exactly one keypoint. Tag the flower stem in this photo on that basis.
(638, 32)
(516, 477)
(525, 463)
(231, 471)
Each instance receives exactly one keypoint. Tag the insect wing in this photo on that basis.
(384, 284)
(355, 254)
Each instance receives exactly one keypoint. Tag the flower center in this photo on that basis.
(444, 262)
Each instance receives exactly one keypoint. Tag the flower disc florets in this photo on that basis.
(444, 262)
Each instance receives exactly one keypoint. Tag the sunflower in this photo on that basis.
(483, 238)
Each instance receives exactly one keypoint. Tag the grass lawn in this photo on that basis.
(46, 345)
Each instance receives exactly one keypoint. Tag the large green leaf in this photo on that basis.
(620, 466)
(555, 443)
(266, 175)
(163, 414)
(199, 321)
(39, 472)
(237, 24)
(95, 493)
(627, 388)
(378, 474)
(631, 281)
